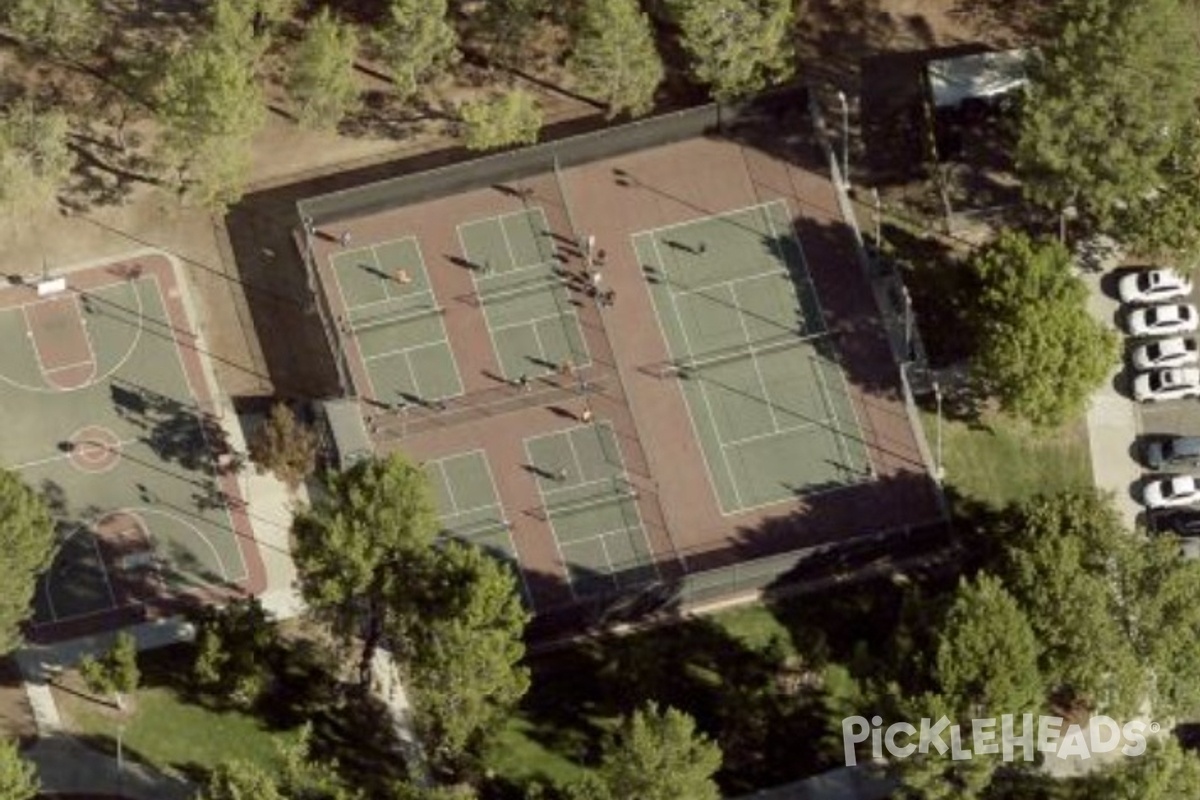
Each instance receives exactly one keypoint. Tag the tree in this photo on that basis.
(285, 447)
(234, 645)
(367, 534)
(615, 58)
(737, 47)
(501, 120)
(1164, 772)
(936, 776)
(1165, 224)
(18, 778)
(987, 653)
(1115, 84)
(115, 671)
(659, 755)
(416, 42)
(1068, 569)
(34, 158)
(241, 780)
(26, 549)
(507, 24)
(465, 649)
(210, 106)
(70, 27)
(322, 77)
(1040, 353)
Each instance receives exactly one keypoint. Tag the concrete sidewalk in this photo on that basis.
(1113, 420)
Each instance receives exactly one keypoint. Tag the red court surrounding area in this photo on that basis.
(612, 200)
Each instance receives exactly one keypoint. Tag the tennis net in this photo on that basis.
(546, 280)
(686, 367)
(483, 527)
(372, 323)
(620, 492)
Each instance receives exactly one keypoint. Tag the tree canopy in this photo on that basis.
(34, 157)
(69, 27)
(1114, 86)
(1070, 566)
(322, 78)
(416, 42)
(513, 117)
(465, 649)
(615, 58)
(737, 47)
(1040, 353)
(18, 778)
(210, 105)
(367, 534)
(987, 652)
(657, 755)
(285, 447)
(1164, 772)
(27, 545)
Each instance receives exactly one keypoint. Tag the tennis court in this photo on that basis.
(523, 292)
(591, 507)
(393, 315)
(117, 434)
(759, 373)
(469, 506)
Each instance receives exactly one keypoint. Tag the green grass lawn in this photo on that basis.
(1002, 461)
(176, 736)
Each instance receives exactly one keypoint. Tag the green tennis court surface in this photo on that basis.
(533, 325)
(393, 315)
(125, 450)
(592, 508)
(747, 340)
(469, 506)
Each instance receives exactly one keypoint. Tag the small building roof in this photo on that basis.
(346, 428)
(976, 76)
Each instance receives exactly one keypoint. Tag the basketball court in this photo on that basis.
(110, 418)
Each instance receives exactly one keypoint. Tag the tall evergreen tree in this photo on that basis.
(26, 549)
(615, 58)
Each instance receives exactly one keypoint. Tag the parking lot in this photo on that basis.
(1157, 419)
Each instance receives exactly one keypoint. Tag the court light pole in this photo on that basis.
(939, 471)
(841, 96)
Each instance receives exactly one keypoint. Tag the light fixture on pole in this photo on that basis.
(841, 96)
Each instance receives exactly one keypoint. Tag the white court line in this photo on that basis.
(824, 326)
(562, 559)
(376, 275)
(837, 428)
(543, 231)
(727, 282)
(658, 314)
(525, 322)
(575, 455)
(60, 457)
(72, 365)
(512, 257)
(508, 528)
(403, 350)
(641, 523)
(696, 220)
(691, 353)
(112, 596)
(762, 381)
(137, 338)
(581, 485)
(495, 276)
(541, 347)
(209, 451)
(772, 434)
(449, 488)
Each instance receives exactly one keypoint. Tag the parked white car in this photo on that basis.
(1165, 320)
(1153, 286)
(1176, 351)
(1166, 384)
(1178, 490)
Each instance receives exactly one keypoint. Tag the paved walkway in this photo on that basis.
(1113, 420)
